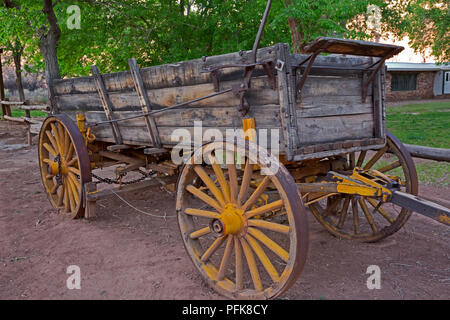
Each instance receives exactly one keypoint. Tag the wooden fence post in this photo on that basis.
(6, 111)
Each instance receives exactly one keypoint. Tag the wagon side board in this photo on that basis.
(332, 118)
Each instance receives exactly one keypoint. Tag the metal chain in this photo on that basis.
(118, 179)
(58, 175)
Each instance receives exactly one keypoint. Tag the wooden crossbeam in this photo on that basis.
(145, 103)
(101, 88)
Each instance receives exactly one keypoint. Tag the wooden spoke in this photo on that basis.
(376, 157)
(269, 225)
(48, 161)
(264, 209)
(232, 176)
(70, 152)
(361, 157)
(66, 143)
(213, 248)
(352, 159)
(54, 189)
(74, 181)
(269, 243)
(355, 215)
(51, 139)
(66, 197)
(239, 264)
(72, 162)
(57, 138)
(252, 265)
(49, 176)
(61, 196)
(390, 166)
(257, 193)
(50, 149)
(200, 233)
(61, 134)
(71, 196)
(273, 273)
(343, 212)
(369, 217)
(320, 198)
(204, 197)
(74, 170)
(245, 181)
(220, 177)
(333, 204)
(383, 212)
(210, 184)
(201, 213)
(226, 258)
(73, 189)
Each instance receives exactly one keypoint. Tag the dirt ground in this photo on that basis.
(124, 254)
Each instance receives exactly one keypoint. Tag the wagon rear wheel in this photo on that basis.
(245, 232)
(64, 164)
(368, 219)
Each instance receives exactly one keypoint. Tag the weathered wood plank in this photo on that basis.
(329, 129)
(137, 135)
(145, 102)
(285, 108)
(333, 60)
(266, 116)
(332, 86)
(185, 73)
(106, 103)
(327, 106)
(259, 94)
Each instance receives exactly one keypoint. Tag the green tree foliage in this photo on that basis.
(165, 31)
(425, 22)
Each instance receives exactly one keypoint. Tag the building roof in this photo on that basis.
(411, 66)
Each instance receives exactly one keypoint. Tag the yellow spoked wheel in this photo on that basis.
(64, 163)
(244, 226)
(368, 219)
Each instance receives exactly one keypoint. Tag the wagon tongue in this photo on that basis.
(422, 206)
(373, 183)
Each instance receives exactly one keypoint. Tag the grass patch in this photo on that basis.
(435, 173)
(21, 113)
(425, 124)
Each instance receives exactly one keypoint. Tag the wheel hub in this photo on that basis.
(230, 221)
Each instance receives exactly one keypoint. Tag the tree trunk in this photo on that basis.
(48, 43)
(17, 57)
(297, 37)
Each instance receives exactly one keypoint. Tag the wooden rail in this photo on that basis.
(437, 154)
(23, 105)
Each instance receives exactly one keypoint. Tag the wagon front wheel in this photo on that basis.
(242, 221)
(368, 219)
(64, 164)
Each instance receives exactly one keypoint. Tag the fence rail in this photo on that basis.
(437, 154)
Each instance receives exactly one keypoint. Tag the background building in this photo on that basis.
(407, 80)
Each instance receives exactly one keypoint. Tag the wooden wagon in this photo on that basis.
(241, 208)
